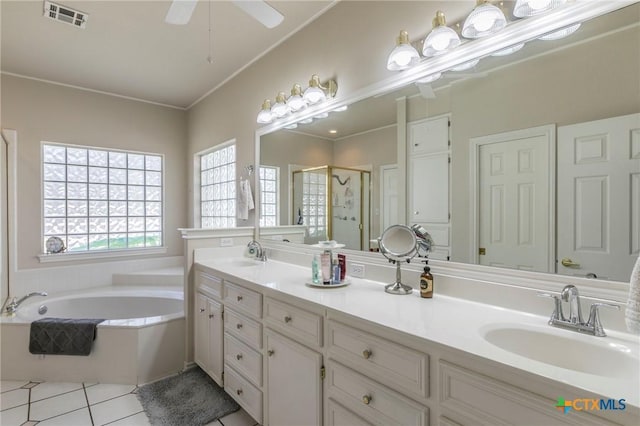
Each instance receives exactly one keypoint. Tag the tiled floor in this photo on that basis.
(81, 404)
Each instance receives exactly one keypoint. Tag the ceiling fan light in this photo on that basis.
(484, 19)
(509, 50)
(280, 109)
(565, 32)
(404, 55)
(526, 8)
(441, 39)
(265, 115)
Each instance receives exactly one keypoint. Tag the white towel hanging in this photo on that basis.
(632, 313)
(245, 199)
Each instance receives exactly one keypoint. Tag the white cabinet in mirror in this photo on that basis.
(562, 84)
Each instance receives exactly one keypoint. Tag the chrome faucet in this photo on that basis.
(575, 322)
(13, 306)
(260, 253)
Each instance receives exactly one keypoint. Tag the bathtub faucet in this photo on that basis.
(13, 306)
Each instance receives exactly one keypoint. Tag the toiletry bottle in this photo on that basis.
(426, 283)
(342, 261)
(335, 276)
(325, 267)
(315, 270)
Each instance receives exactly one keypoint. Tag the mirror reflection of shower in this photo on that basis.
(333, 203)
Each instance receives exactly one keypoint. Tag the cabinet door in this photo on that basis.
(216, 336)
(201, 332)
(428, 136)
(429, 180)
(294, 387)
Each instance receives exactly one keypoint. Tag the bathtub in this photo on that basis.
(141, 339)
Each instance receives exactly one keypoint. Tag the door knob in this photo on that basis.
(569, 263)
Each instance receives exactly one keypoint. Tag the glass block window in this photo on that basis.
(314, 203)
(95, 199)
(218, 188)
(269, 183)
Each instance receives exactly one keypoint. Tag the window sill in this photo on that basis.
(103, 254)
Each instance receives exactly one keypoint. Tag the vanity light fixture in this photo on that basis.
(404, 55)
(280, 109)
(557, 35)
(341, 108)
(321, 115)
(265, 116)
(441, 39)
(467, 65)
(291, 126)
(306, 120)
(296, 102)
(316, 92)
(485, 19)
(430, 78)
(525, 8)
(508, 50)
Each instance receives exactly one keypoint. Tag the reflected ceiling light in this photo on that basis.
(441, 39)
(342, 108)
(296, 102)
(280, 109)
(404, 55)
(525, 8)
(333, 131)
(430, 78)
(265, 116)
(467, 65)
(557, 35)
(316, 92)
(508, 50)
(484, 19)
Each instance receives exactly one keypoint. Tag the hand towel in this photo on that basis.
(245, 199)
(632, 313)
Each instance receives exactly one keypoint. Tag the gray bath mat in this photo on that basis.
(188, 399)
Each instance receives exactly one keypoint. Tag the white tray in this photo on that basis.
(344, 283)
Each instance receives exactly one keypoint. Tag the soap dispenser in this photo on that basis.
(426, 283)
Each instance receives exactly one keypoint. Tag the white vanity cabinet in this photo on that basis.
(293, 339)
(243, 347)
(208, 327)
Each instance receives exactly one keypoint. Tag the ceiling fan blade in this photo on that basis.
(426, 91)
(260, 11)
(180, 12)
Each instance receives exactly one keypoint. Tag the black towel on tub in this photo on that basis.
(62, 336)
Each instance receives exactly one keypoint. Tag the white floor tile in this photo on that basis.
(139, 419)
(214, 423)
(103, 392)
(239, 418)
(49, 389)
(14, 416)
(79, 417)
(115, 409)
(8, 385)
(14, 398)
(57, 405)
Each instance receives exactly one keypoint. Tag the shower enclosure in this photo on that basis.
(334, 204)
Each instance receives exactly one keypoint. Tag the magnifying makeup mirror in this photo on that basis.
(398, 243)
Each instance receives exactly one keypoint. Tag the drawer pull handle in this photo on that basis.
(239, 298)
(201, 309)
(366, 399)
(367, 353)
(210, 315)
(239, 357)
(270, 352)
(239, 391)
(287, 318)
(238, 326)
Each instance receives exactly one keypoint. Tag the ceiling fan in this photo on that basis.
(180, 12)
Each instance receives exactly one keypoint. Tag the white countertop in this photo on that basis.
(452, 322)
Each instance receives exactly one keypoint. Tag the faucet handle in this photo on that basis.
(594, 317)
(557, 311)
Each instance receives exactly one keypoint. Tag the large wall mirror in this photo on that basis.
(545, 87)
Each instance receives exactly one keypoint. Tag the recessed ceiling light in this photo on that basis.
(333, 131)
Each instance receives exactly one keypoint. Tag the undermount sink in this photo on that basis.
(587, 354)
(243, 263)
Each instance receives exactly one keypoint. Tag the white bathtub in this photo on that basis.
(141, 340)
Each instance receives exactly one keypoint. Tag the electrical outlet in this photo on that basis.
(357, 270)
(226, 242)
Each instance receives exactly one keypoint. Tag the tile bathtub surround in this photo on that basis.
(24, 403)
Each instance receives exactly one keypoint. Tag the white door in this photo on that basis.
(294, 387)
(4, 232)
(599, 198)
(388, 197)
(515, 198)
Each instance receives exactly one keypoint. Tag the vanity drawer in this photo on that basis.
(242, 299)
(337, 415)
(397, 366)
(243, 359)
(294, 322)
(245, 394)
(373, 401)
(245, 329)
(209, 285)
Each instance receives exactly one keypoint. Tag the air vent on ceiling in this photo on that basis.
(60, 13)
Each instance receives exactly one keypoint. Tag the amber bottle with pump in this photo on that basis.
(426, 283)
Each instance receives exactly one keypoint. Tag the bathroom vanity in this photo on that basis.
(355, 355)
